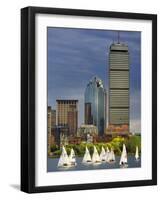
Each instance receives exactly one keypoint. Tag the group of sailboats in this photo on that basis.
(65, 160)
(105, 156)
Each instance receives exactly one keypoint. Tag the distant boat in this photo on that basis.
(137, 154)
(87, 157)
(95, 157)
(103, 154)
(64, 159)
(111, 156)
(72, 158)
(107, 154)
(123, 159)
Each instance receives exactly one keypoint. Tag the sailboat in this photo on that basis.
(111, 156)
(103, 154)
(64, 159)
(137, 154)
(95, 157)
(87, 157)
(107, 154)
(72, 158)
(123, 159)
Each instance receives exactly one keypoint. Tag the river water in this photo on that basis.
(52, 165)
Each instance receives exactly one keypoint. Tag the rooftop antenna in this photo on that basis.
(118, 37)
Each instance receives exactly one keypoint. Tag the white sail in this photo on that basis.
(103, 154)
(107, 150)
(87, 156)
(123, 159)
(109, 157)
(95, 156)
(72, 158)
(112, 155)
(64, 159)
(107, 154)
(137, 153)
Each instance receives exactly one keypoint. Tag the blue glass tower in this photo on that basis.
(95, 104)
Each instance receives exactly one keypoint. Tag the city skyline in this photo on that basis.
(81, 54)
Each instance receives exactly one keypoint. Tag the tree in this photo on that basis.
(132, 142)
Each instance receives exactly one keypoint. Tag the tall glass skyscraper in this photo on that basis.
(95, 104)
(119, 85)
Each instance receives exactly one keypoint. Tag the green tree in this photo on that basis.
(54, 147)
(132, 142)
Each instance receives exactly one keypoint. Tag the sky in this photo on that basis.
(76, 55)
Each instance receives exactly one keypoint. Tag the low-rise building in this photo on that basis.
(87, 132)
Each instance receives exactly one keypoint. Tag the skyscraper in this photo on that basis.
(119, 86)
(67, 115)
(95, 104)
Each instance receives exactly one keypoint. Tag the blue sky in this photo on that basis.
(76, 55)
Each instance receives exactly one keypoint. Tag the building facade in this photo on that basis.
(86, 129)
(61, 135)
(118, 112)
(87, 132)
(95, 104)
(88, 113)
(51, 121)
(67, 115)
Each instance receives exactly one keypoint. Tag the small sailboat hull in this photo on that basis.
(125, 165)
(97, 163)
(111, 161)
(73, 164)
(88, 162)
(65, 165)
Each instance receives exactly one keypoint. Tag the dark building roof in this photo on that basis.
(66, 100)
(119, 47)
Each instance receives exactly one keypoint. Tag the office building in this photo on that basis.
(51, 121)
(60, 135)
(95, 104)
(67, 115)
(86, 129)
(118, 112)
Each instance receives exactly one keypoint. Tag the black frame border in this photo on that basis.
(28, 98)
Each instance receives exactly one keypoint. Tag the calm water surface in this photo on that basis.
(52, 164)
